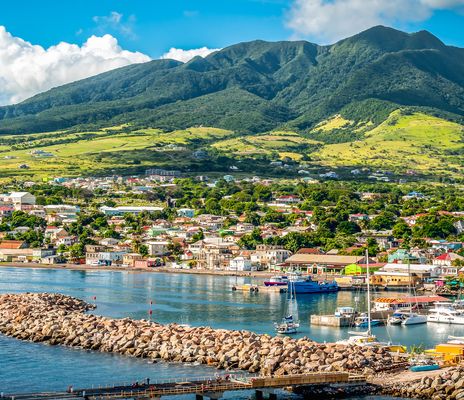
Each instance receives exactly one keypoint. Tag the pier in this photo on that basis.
(210, 388)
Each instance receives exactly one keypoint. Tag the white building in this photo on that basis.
(240, 264)
(158, 248)
(266, 256)
(112, 211)
(19, 199)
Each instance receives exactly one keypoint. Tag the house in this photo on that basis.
(120, 211)
(240, 264)
(6, 211)
(104, 258)
(447, 263)
(402, 255)
(19, 199)
(358, 217)
(186, 212)
(130, 259)
(158, 247)
(66, 241)
(214, 254)
(414, 195)
(109, 242)
(267, 256)
(288, 199)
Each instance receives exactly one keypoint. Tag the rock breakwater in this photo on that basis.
(62, 320)
(448, 385)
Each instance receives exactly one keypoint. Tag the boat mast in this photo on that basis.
(368, 294)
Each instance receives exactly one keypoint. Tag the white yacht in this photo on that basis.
(445, 313)
(407, 318)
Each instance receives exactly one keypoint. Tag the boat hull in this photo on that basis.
(446, 320)
(422, 368)
(275, 284)
(314, 288)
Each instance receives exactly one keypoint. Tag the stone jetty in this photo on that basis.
(62, 320)
(447, 384)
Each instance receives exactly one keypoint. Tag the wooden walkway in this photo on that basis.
(212, 387)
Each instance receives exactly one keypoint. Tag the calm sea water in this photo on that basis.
(193, 299)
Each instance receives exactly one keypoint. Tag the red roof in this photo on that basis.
(11, 244)
(307, 250)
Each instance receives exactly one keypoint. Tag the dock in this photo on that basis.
(211, 388)
(342, 322)
(258, 288)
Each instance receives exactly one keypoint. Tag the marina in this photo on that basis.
(122, 294)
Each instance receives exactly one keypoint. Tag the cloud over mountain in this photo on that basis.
(330, 20)
(186, 55)
(27, 69)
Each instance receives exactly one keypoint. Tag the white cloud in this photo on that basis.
(186, 55)
(115, 23)
(27, 69)
(330, 20)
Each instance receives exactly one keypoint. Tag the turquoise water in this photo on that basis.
(193, 299)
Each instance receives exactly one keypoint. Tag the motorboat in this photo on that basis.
(407, 318)
(361, 339)
(277, 280)
(306, 285)
(346, 312)
(286, 328)
(363, 321)
(446, 314)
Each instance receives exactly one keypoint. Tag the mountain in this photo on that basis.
(261, 86)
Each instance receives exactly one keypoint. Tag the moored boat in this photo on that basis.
(407, 318)
(445, 313)
(425, 367)
(277, 280)
(307, 286)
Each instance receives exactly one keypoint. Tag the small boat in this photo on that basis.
(424, 367)
(363, 321)
(277, 280)
(345, 312)
(455, 339)
(308, 286)
(290, 322)
(286, 328)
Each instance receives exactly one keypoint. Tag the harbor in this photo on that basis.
(130, 295)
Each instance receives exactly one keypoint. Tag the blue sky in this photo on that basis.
(154, 26)
(48, 43)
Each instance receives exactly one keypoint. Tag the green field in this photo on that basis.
(416, 141)
(403, 141)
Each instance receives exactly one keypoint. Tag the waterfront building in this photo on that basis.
(323, 263)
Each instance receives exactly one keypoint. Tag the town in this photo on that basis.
(161, 221)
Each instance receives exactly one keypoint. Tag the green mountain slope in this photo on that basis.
(260, 86)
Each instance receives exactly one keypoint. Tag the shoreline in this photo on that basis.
(84, 267)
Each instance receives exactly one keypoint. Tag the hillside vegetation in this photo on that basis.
(405, 140)
(259, 86)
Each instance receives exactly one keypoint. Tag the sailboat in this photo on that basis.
(364, 338)
(290, 322)
(406, 318)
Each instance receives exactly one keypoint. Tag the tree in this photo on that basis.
(348, 227)
(385, 220)
(175, 248)
(143, 250)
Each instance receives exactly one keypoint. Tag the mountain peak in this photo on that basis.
(390, 39)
